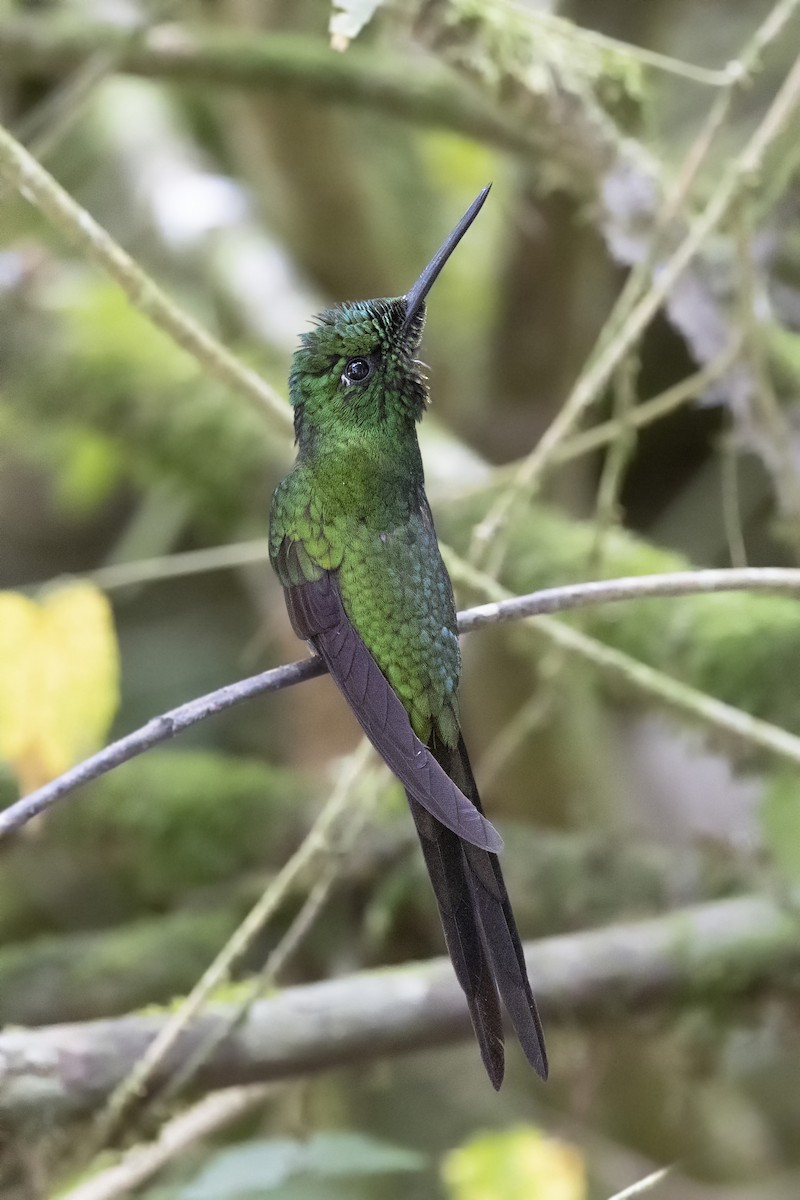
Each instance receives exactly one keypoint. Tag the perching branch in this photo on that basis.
(637, 676)
(731, 948)
(548, 600)
(159, 729)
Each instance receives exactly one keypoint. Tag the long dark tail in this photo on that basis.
(479, 927)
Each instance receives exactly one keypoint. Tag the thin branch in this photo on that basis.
(589, 440)
(636, 1189)
(615, 463)
(175, 566)
(141, 1163)
(729, 501)
(505, 608)
(19, 169)
(739, 72)
(311, 848)
(46, 125)
(159, 729)
(651, 410)
(267, 978)
(334, 849)
(725, 949)
(632, 673)
(772, 429)
(707, 76)
(633, 587)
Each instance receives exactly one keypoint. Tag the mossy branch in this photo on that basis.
(426, 93)
(729, 948)
(583, 880)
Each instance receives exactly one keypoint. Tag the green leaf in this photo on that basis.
(332, 1154)
(257, 1168)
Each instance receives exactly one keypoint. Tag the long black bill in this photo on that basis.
(416, 297)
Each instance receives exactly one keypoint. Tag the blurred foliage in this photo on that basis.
(780, 821)
(135, 409)
(317, 1166)
(147, 835)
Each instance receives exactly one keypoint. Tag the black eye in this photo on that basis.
(357, 370)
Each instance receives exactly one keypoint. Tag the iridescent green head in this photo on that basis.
(357, 368)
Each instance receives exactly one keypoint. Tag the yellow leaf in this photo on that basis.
(519, 1164)
(59, 680)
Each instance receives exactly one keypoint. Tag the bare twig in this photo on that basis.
(600, 435)
(727, 948)
(731, 511)
(504, 608)
(638, 676)
(633, 587)
(334, 849)
(771, 428)
(649, 411)
(739, 73)
(313, 845)
(640, 1187)
(617, 459)
(141, 1163)
(175, 566)
(45, 126)
(489, 540)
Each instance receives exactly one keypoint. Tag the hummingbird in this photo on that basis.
(354, 546)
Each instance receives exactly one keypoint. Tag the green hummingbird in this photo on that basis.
(353, 543)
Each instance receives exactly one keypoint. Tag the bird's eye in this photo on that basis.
(357, 370)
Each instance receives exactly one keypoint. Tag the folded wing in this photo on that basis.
(317, 614)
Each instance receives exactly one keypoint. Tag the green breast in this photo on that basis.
(397, 593)
(376, 532)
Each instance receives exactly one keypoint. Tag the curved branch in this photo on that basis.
(728, 948)
(159, 729)
(630, 587)
(547, 600)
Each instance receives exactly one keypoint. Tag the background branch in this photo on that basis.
(582, 879)
(428, 93)
(727, 949)
(202, 1121)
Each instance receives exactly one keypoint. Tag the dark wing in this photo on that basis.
(480, 929)
(317, 614)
